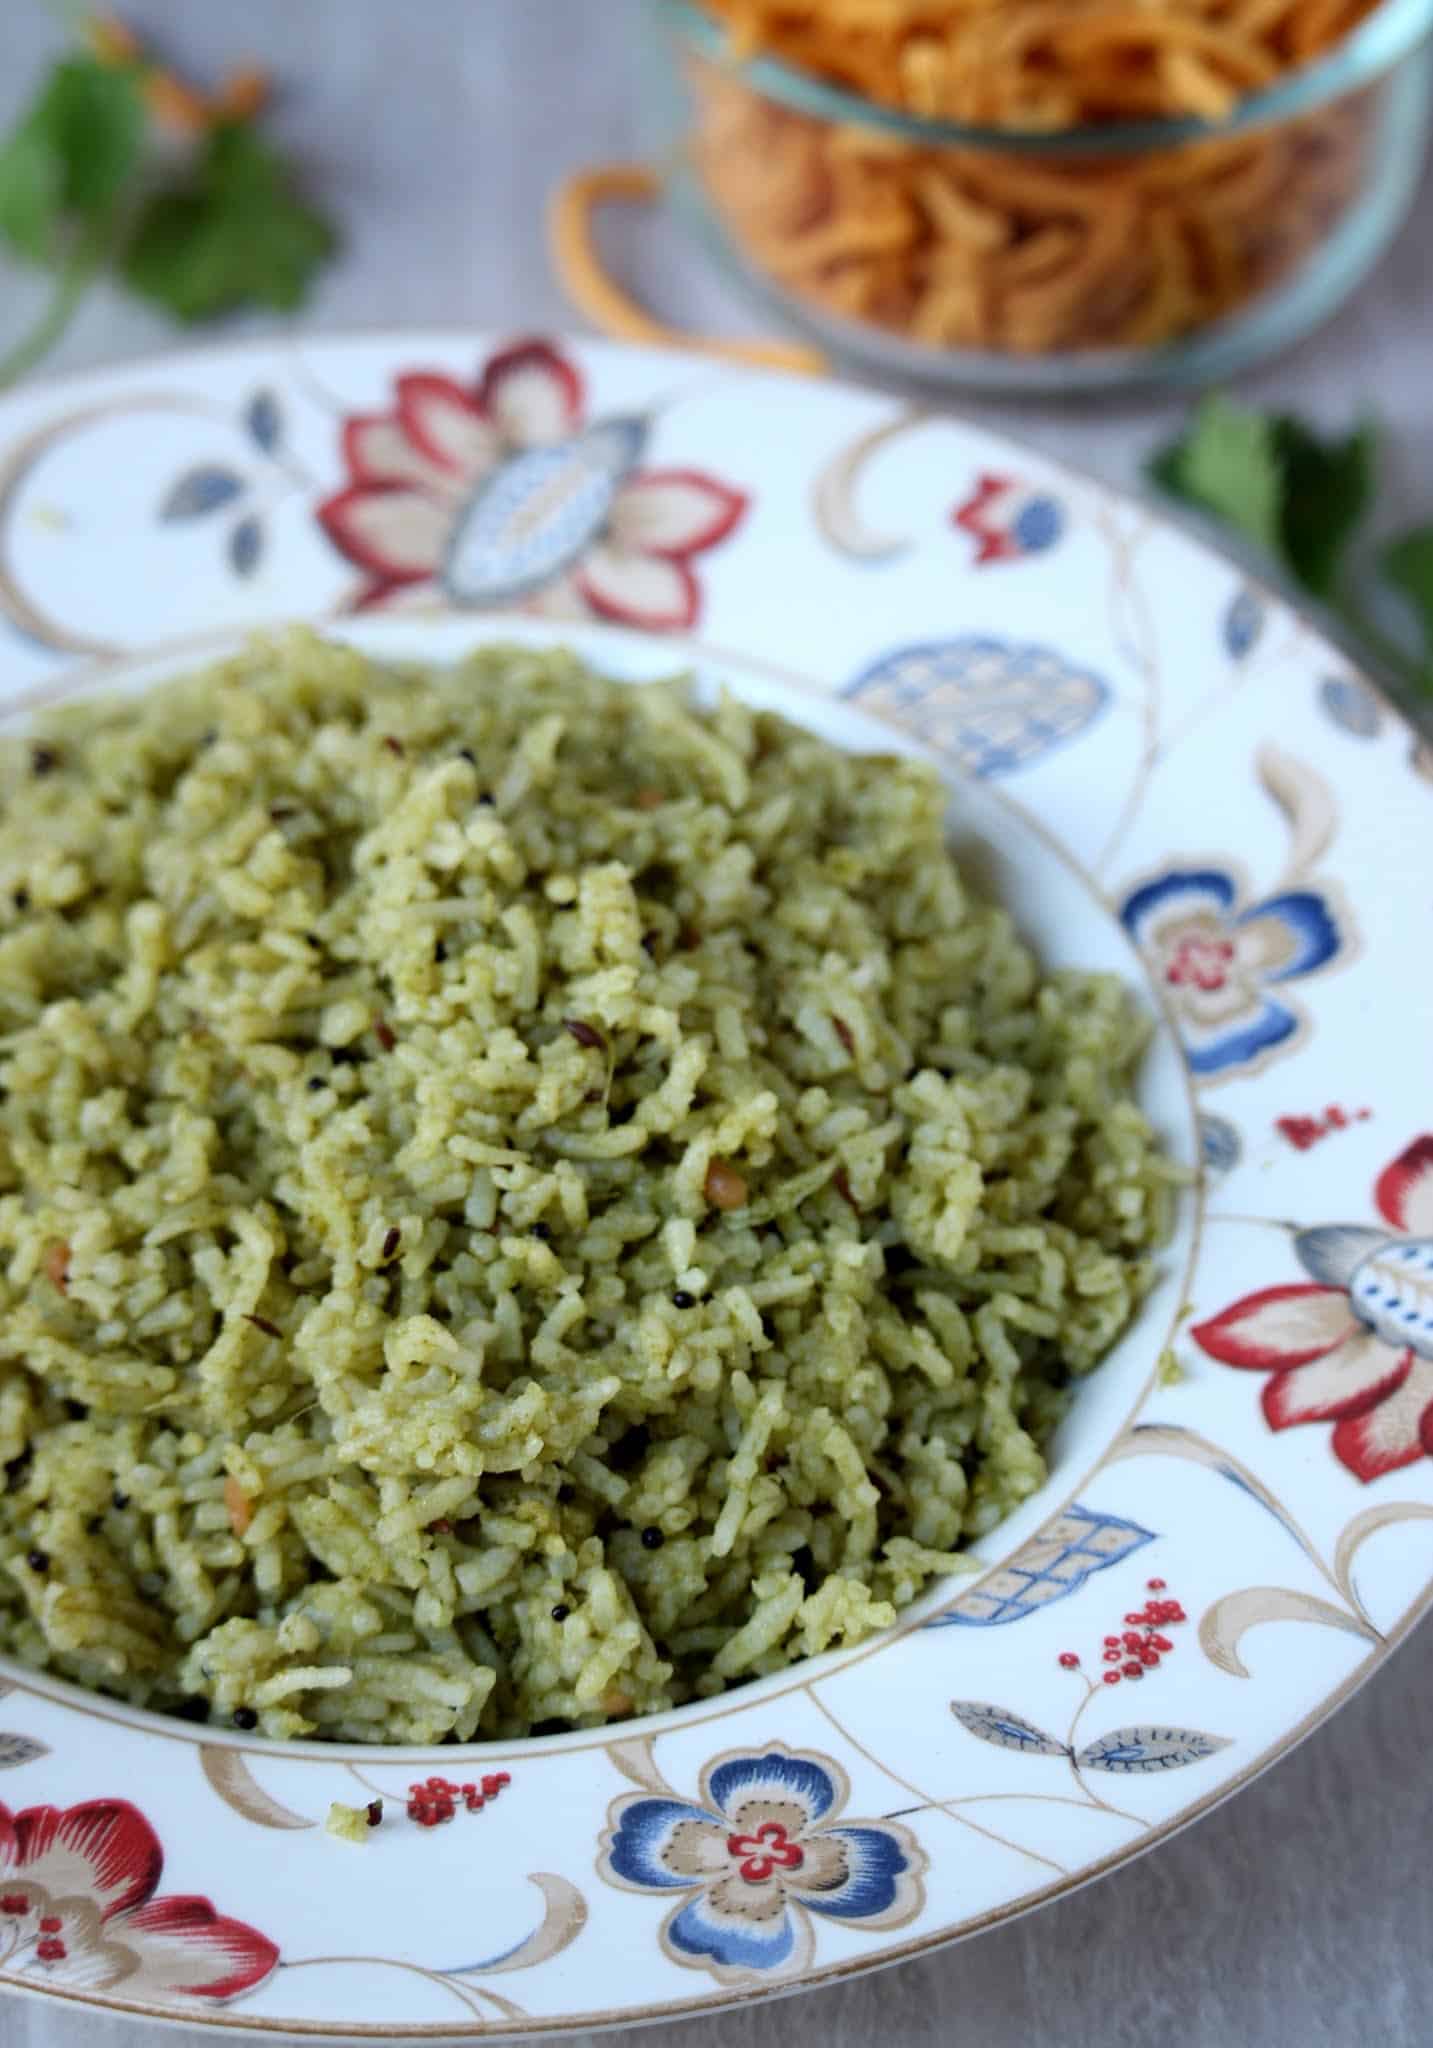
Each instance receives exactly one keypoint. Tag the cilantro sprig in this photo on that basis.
(89, 184)
(228, 234)
(1302, 498)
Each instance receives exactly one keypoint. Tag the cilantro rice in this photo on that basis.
(522, 1202)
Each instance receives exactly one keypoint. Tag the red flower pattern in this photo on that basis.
(770, 1848)
(1200, 960)
(1008, 519)
(1353, 1345)
(78, 1906)
(502, 492)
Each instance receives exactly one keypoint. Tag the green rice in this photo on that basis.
(522, 1202)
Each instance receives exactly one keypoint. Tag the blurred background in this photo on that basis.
(433, 134)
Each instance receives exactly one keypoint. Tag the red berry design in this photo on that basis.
(434, 1800)
(1141, 1646)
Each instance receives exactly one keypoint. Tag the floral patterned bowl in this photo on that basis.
(1163, 772)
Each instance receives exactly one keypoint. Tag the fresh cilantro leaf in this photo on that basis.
(30, 188)
(1166, 468)
(1278, 482)
(1227, 464)
(1302, 497)
(67, 163)
(221, 229)
(232, 234)
(1408, 565)
(94, 115)
(1327, 488)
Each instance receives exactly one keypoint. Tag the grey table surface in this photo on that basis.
(1301, 1911)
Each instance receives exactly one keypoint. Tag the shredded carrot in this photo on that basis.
(57, 1267)
(240, 1507)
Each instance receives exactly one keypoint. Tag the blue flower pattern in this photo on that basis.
(1218, 959)
(759, 1853)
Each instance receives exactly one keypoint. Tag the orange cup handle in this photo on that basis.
(597, 294)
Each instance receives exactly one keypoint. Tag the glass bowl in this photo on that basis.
(1087, 259)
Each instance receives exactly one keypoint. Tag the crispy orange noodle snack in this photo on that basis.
(985, 249)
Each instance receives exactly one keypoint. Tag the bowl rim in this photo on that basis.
(1367, 53)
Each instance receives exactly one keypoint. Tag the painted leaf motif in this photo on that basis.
(1351, 707)
(1220, 1143)
(1226, 1622)
(1243, 623)
(1306, 802)
(246, 546)
(834, 498)
(1330, 1252)
(199, 492)
(1172, 1440)
(990, 706)
(633, 1757)
(1006, 1730)
(229, 1774)
(264, 419)
(564, 1917)
(1357, 1532)
(1149, 1749)
(20, 1749)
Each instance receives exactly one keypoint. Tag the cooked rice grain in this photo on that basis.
(526, 1226)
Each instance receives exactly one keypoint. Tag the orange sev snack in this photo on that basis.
(971, 247)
